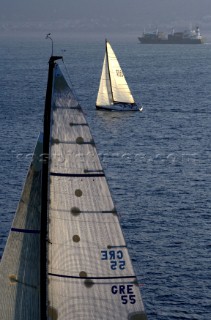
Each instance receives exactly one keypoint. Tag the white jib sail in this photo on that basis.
(19, 267)
(120, 89)
(104, 97)
(90, 274)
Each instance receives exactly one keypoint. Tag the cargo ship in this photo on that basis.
(192, 36)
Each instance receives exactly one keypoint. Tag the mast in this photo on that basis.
(109, 70)
(44, 200)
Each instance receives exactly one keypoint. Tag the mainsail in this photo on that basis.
(120, 89)
(113, 87)
(90, 275)
(87, 271)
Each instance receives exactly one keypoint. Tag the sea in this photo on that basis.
(157, 162)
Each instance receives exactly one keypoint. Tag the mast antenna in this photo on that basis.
(48, 37)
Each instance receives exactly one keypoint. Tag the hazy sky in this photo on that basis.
(96, 15)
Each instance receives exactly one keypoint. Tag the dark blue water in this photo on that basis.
(157, 162)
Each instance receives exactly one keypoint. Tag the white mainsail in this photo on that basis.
(90, 275)
(19, 267)
(120, 89)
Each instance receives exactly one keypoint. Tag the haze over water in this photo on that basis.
(122, 17)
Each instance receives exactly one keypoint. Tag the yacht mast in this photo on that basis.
(109, 70)
(44, 197)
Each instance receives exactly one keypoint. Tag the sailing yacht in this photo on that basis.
(66, 256)
(114, 93)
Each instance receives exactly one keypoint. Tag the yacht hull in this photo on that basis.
(120, 107)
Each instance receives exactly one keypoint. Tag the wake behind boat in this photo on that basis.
(114, 93)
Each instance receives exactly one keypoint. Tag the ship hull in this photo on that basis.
(167, 41)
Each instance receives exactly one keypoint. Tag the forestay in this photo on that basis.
(90, 275)
(19, 267)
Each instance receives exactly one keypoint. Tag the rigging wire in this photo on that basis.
(69, 80)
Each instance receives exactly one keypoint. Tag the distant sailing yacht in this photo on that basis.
(66, 257)
(114, 93)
